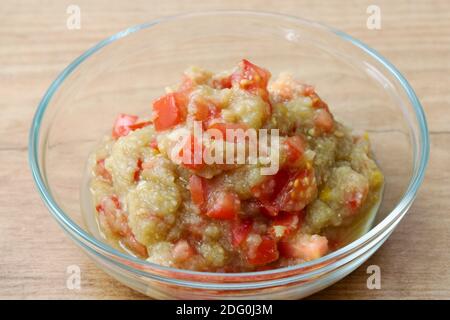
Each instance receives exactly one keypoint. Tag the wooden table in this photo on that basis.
(35, 45)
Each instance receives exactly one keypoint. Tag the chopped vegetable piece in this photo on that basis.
(305, 247)
(122, 125)
(170, 110)
(223, 205)
(265, 253)
(101, 170)
(240, 230)
(295, 148)
(198, 190)
(323, 121)
(182, 251)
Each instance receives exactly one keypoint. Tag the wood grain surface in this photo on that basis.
(35, 45)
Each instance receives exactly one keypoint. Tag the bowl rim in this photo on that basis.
(78, 233)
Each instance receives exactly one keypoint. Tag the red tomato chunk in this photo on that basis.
(223, 205)
(170, 110)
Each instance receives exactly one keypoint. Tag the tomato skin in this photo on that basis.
(240, 230)
(197, 187)
(122, 125)
(223, 205)
(295, 148)
(265, 253)
(169, 110)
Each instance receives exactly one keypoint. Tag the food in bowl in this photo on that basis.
(298, 183)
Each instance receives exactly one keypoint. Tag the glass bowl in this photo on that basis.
(125, 72)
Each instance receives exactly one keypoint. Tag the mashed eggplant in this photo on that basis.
(230, 217)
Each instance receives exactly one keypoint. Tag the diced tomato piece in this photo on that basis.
(240, 230)
(265, 253)
(252, 78)
(287, 190)
(308, 90)
(111, 216)
(223, 205)
(197, 186)
(222, 83)
(295, 148)
(269, 190)
(140, 125)
(101, 170)
(192, 154)
(138, 170)
(299, 191)
(206, 110)
(122, 125)
(317, 102)
(355, 199)
(323, 121)
(232, 127)
(182, 251)
(305, 247)
(131, 242)
(169, 110)
(285, 222)
(201, 110)
(265, 190)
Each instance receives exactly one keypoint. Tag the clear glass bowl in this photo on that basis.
(125, 72)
